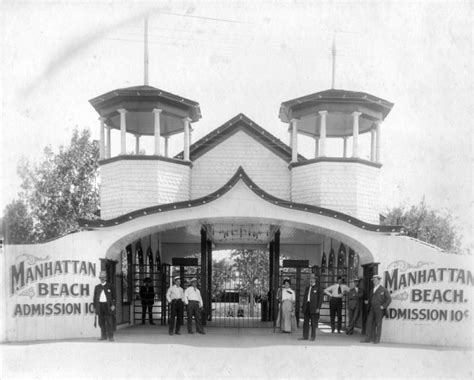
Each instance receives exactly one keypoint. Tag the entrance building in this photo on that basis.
(238, 189)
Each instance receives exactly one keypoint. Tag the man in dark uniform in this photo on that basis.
(312, 301)
(147, 295)
(379, 300)
(354, 299)
(104, 305)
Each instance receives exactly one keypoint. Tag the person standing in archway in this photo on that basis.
(312, 301)
(354, 300)
(193, 300)
(147, 295)
(104, 305)
(175, 297)
(379, 300)
(286, 314)
(336, 292)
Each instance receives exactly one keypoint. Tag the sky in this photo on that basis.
(249, 57)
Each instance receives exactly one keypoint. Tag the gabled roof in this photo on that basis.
(240, 175)
(240, 122)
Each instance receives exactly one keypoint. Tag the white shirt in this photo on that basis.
(175, 293)
(376, 287)
(333, 290)
(287, 294)
(103, 297)
(191, 294)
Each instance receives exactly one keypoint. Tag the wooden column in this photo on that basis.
(209, 278)
(322, 133)
(297, 295)
(157, 130)
(276, 271)
(204, 264)
(123, 131)
(355, 134)
(294, 140)
(102, 138)
(270, 282)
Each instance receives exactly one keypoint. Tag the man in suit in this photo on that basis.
(104, 305)
(147, 295)
(312, 301)
(378, 302)
(354, 299)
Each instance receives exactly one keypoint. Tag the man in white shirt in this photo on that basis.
(175, 297)
(193, 300)
(336, 292)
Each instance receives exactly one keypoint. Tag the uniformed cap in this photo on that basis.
(194, 279)
(177, 278)
(377, 276)
(103, 274)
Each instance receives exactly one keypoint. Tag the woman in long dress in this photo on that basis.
(286, 315)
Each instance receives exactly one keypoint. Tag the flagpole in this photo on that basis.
(333, 61)
(146, 52)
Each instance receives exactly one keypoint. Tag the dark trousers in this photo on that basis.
(177, 309)
(314, 317)
(193, 310)
(106, 321)
(335, 307)
(145, 307)
(374, 324)
(354, 312)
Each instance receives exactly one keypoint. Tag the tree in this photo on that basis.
(222, 274)
(57, 191)
(252, 269)
(18, 223)
(426, 224)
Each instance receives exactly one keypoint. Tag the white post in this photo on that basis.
(294, 140)
(102, 138)
(355, 134)
(123, 131)
(166, 146)
(137, 144)
(372, 145)
(322, 133)
(344, 149)
(187, 127)
(316, 146)
(157, 113)
(191, 130)
(109, 145)
(290, 138)
(378, 142)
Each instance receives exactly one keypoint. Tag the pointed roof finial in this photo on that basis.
(333, 60)
(146, 52)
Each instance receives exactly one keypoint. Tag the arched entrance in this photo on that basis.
(239, 215)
